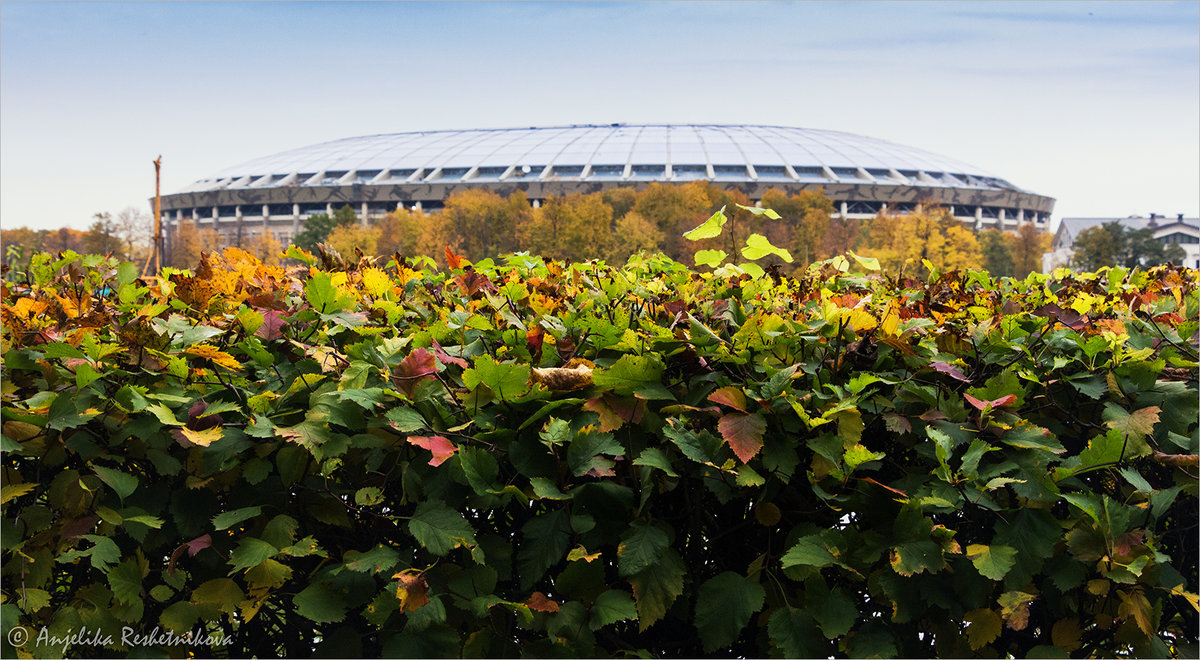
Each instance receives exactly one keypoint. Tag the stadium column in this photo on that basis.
(266, 217)
(978, 218)
(845, 209)
(237, 212)
(362, 217)
(295, 219)
(1000, 219)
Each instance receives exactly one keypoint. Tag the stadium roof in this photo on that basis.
(626, 152)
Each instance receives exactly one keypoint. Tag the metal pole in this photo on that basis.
(158, 237)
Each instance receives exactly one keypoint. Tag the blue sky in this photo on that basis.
(1094, 103)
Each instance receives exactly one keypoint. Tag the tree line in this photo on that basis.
(609, 225)
(616, 223)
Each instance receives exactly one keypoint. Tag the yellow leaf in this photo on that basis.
(1192, 599)
(412, 591)
(891, 319)
(202, 438)
(1097, 587)
(376, 282)
(1135, 605)
(216, 355)
(12, 491)
(983, 627)
(1065, 634)
(581, 552)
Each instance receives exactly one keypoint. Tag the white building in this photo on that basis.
(1180, 230)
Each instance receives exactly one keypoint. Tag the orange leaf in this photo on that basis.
(539, 602)
(413, 590)
(730, 396)
(216, 355)
(454, 261)
(441, 447)
(744, 433)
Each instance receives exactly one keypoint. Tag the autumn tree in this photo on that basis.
(841, 236)
(576, 227)
(484, 223)
(633, 234)
(101, 237)
(350, 237)
(674, 210)
(317, 227)
(925, 234)
(620, 199)
(265, 247)
(1028, 245)
(402, 231)
(190, 242)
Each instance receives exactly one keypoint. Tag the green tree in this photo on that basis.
(1111, 244)
(317, 227)
(102, 238)
(996, 248)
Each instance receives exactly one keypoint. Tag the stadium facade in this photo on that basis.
(377, 174)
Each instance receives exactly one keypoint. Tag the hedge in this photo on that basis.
(533, 458)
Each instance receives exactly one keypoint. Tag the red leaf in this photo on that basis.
(445, 358)
(994, 403)
(453, 260)
(79, 526)
(441, 447)
(730, 396)
(539, 602)
(272, 327)
(744, 433)
(197, 544)
(419, 365)
(951, 371)
(533, 341)
(471, 283)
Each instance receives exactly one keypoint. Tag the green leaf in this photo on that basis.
(993, 562)
(657, 587)
(834, 610)
(753, 270)
(639, 375)
(219, 595)
(724, 605)
(808, 551)
(380, 558)
(440, 529)
(757, 246)
(545, 540)
(770, 213)
(319, 602)
(711, 258)
(711, 228)
(230, 518)
(406, 420)
(1135, 426)
(654, 457)
(583, 454)
(642, 546)
(917, 557)
(858, 454)
(324, 297)
(268, 575)
(507, 380)
(480, 468)
(794, 634)
(85, 374)
(122, 484)
(610, 607)
(125, 579)
(250, 553)
(368, 496)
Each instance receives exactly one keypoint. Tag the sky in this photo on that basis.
(1096, 104)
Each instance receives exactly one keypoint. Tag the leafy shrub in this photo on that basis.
(538, 458)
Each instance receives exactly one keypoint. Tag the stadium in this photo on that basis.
(377, 174)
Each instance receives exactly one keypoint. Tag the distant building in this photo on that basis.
(1183, 231)
(376, 174)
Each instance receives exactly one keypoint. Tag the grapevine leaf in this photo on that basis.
(724, 605)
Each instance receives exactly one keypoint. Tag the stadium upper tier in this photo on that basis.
(375, 174)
